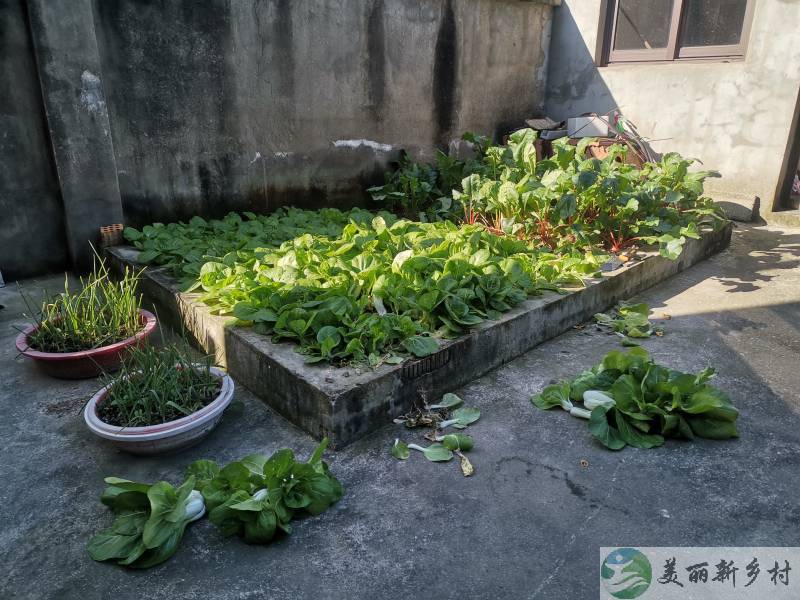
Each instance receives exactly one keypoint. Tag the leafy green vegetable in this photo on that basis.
(636, 402)
(434, 453)
(150, 521)
(400, 450)
(448, 401)
(461, 418)
(457, 441)
(569, 201)
(629, 321)
(258, 496)
(355, 287)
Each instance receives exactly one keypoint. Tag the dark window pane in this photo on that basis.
(642, 24)
(713, 22)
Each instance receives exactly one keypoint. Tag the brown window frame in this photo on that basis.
(672, 52)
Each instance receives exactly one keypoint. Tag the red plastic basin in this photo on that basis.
(86, 363)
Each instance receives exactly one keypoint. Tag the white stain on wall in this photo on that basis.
(92, 93)
(376, 146)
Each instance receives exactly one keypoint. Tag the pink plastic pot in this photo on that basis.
(166, 437)
(86, 363)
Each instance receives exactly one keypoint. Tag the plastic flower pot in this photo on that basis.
(165, 437)
(86, 363)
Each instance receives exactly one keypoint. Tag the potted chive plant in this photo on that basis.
(160, 401)
(81, 334)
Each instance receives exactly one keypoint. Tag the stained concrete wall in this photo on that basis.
(735, 116)
(247, 105)
(157, 111)
(32, 237)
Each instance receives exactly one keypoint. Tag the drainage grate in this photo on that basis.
(426, 365)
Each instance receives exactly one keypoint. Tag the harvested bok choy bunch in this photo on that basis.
(630, 322)
(150, 521)
(258, 496)
(633, 401)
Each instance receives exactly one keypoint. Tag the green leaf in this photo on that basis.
(203, 472)
(421, 346)
(458, 441)
(632, 436)
(437, 453)
(464, 417)
(552, 396)
(148, 256)
(447, 401)
(713, 429)
(400, 450)
(608, 435)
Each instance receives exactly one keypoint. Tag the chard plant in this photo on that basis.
(101, 312)
(158, 385)
(630, 400)
(569, 201)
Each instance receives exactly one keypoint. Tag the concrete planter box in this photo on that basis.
(344, 403)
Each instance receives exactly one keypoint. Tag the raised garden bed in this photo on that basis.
(347, 403)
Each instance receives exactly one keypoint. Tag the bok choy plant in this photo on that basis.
(255, 497)
(150, 521)
(258, 496)
(631, 400)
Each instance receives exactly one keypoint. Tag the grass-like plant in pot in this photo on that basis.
(79, 334)
(160, 401)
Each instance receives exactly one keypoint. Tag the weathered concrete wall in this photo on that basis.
(247, 105)
(77, 117)
(31, 217)
(734, 116)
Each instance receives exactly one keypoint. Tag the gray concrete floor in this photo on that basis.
(528, 524)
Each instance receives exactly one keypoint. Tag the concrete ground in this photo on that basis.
(528, 524)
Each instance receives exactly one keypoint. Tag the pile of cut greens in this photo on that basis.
(630, 322)
(256, 498)
(444, 446)
(631, 400)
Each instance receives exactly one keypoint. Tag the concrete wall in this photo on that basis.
(734, 116)
(248, 105)
(31, 217)
(160, 110)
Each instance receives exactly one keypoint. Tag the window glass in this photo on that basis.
(712, 22)
(643, 24)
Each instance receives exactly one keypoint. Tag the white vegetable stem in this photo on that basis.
(594, 398)
(444, 424)
(261, 494)
(417, 447)
(581, 413)
(195, 507)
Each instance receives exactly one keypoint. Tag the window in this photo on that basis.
(666, 30)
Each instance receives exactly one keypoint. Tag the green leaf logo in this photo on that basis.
(626, 573)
